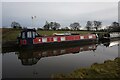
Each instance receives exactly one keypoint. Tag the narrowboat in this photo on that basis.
(110, 36)
(31, 37)
(115, 35)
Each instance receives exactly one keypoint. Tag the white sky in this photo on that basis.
(59, 0)
(62, 12)
(0, 14)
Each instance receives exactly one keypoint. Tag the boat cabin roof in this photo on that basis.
(26, 30)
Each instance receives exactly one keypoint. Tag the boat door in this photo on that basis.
(29, 37)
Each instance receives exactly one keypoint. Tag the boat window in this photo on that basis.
(23, 35)
(29, 34)
(44, 39)
(36, 34)
(62, 38)
(33, 34)
(90, 37)
(19, 35)
(55, 38)
(82, 37)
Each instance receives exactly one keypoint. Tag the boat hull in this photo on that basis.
(44, 46)
(62, 44)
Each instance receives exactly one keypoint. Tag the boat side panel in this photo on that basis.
(38, 40)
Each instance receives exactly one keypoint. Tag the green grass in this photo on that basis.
(51, 32)
(109, 69)
(9, 34)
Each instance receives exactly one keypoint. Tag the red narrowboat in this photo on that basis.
(31, 37)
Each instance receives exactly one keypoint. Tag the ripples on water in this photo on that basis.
(44, 63)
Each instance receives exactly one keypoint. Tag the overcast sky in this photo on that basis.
(61, 12)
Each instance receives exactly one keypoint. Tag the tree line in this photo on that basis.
(90, 25)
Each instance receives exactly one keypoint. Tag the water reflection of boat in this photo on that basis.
(114, 43)
(111, 35)
(32, 57)
(111, 43)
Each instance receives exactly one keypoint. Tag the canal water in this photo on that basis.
(45, 63)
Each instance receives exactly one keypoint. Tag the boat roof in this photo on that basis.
(26, 30)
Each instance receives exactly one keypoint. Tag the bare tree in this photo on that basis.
(46, 26)
(66, 28)
(97, 25)
(89, 25)
(51, 25)
(115, 26)
(56, 26)
(16, 25)
(75, 26)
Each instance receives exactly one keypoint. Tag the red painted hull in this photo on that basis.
(52, 39)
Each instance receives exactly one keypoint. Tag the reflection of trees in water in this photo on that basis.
(106, 44)
(32, 57)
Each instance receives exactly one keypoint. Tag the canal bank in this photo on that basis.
(109, 70)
